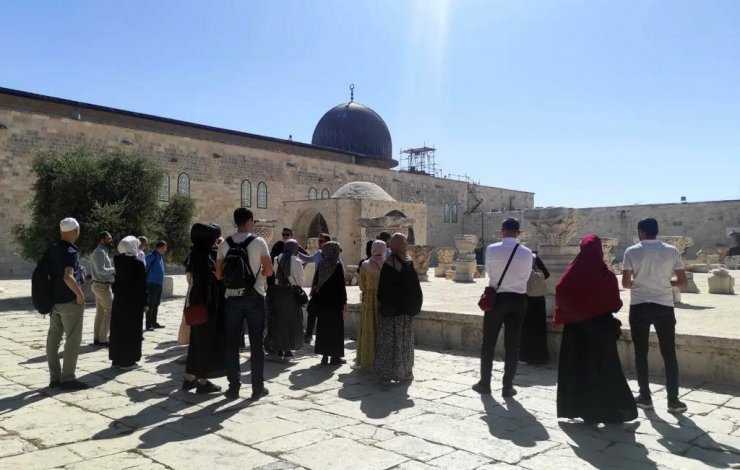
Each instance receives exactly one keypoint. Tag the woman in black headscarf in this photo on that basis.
(287, 328)
(328, 301)
(205, 291)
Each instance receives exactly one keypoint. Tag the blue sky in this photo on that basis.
(584, 102)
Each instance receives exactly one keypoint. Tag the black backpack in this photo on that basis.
(41, 286)
(238, 277)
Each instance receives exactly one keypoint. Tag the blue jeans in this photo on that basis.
(239, 309)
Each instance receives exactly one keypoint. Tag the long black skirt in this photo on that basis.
(591, 384)
(286, 328)
(533, 343)
(330, 332)
(125, 334)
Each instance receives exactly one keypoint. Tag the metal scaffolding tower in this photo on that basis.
(420, 160)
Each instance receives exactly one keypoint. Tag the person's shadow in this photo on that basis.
(730, 455)
(376, 401)
(588, 445)
(513, 422)
(314, 375)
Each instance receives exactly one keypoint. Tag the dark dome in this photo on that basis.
(353, 127)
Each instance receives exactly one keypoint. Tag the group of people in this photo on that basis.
(237, 285)
(591, 383)
(126, 288)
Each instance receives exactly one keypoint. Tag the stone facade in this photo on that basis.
(221, 166)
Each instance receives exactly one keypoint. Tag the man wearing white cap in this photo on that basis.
(69, 304)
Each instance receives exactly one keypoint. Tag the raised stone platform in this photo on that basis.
(324, 417)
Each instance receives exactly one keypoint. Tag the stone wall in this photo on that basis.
(217, 162)
(705, 222)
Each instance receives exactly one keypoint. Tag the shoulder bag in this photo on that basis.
(488, 298)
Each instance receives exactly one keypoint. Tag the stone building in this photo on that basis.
(223, 169)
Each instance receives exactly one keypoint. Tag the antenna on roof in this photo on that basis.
(351, 92)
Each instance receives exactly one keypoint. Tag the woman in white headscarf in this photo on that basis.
(369, 277)
(129, 304)
(286, 328)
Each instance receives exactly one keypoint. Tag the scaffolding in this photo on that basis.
(420, 160)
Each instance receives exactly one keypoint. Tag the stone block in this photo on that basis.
(732, 262)
(720, 282)
(465, 270)
(690, 287)
(698, 268)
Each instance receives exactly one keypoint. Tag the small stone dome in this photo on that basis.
(353, 127)
(362, 190)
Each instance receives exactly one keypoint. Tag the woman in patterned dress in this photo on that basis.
(369, 277)
(400, 298)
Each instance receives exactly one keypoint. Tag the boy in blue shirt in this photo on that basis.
(154, 283)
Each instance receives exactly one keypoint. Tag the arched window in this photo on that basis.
(447, 213)
(246, 193)
(412, 200)
(262, 195)
(325, 194)
(313, 194)
(454, 213)
(164, 188)
(183, 184)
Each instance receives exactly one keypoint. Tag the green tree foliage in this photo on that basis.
(104, 190)
(174, 223)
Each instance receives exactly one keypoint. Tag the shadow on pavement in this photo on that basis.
(512, 422)
(587, 446)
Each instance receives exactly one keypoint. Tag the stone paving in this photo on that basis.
(324, 417)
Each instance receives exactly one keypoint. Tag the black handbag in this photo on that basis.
(617, 324)
(300, 295)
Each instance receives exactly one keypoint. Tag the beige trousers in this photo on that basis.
(103, 304)
(64, 320)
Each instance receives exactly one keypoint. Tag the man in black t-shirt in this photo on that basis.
(69, 304)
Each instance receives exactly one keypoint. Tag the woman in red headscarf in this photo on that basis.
(591, 384)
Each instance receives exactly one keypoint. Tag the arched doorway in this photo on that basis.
(309, 224)
(397, 213)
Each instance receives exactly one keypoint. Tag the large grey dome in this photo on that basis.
(353, 127)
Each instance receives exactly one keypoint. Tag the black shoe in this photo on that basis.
(259, 393)
(287, 354)
(158, 326)
(54, 384)
(644, 401)
(307, 339)
(188, 385)
(324, 360)
(149, 328)
(508, 392)
(73, 385)
(208, 387)
(232, 393)
(482, 389)
(337, 361)
(676, 406)
(101, 344)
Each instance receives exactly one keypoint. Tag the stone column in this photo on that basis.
(374, 225)
(445, 256)
(608, 245)
(681, 243)
(555, 228)
(465, 266)
(721, 282)
(265, 229)
(420, 254)
(310, 269)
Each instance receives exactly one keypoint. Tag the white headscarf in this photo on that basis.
(129, 246)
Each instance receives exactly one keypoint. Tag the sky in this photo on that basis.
(583, 102)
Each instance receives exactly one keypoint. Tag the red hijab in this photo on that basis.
(587, 289)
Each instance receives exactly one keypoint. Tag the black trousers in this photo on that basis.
(508, 312)
(664, 320)
(154, 294)
(310, 322)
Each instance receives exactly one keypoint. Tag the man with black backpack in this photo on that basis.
(242, 264)
(65, 277)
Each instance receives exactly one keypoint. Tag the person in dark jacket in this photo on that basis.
(399, 299)
(129, 304)
(328, 302)
(204, 290)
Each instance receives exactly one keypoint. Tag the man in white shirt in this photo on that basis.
(509, 308)
(245, 301)
(647, 272)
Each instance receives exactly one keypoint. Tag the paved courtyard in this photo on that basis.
(323, 417)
